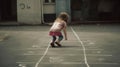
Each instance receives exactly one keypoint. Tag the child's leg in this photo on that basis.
(53, 41)
(59, 40)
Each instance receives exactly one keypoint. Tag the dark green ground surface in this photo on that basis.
(23, 46)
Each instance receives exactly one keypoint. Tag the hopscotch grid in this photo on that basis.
(84, 50)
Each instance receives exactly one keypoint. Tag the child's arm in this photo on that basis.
(65, 32)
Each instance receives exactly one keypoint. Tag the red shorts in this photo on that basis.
(55, 33)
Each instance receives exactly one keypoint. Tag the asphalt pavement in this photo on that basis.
(94, 45)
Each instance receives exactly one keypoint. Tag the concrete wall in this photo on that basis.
(29, 11)
(49, 8)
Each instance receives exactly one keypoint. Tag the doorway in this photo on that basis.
(63, 6)
(8, 10)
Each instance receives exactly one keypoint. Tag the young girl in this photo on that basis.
(59, 25)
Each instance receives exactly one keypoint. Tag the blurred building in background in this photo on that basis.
(45, 11)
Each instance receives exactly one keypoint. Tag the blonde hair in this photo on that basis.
(63, 16)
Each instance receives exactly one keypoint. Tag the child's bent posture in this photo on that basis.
(59, 25)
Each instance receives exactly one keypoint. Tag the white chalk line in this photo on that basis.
(102, 55)
(84, 50)
(105, 55)
(70, 63)
(26, 62)
(57, 50)
(90, 63)
(39, 61)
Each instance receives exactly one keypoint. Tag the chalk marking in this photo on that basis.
(68, 63)
(36, 65)
(84, 50)
(90, 63)
(56, 50)
(99, 55)
(68, 54)
(25, 62)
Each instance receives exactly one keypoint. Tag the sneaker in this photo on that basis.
(58, 44)
(52, 44)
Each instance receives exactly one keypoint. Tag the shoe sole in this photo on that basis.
(58, 44)
(52, 45)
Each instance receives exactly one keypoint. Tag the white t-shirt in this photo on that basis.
(58, 26)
